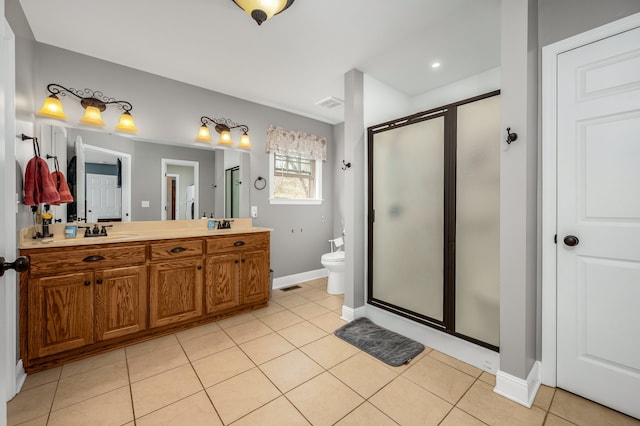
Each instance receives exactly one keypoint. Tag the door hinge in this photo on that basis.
(555, 239)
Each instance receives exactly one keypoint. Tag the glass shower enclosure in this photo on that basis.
(434, 218)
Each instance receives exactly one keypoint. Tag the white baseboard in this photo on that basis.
(519, 390)
(349, 314)
(472, 354)
(21, 376)
(289, 280)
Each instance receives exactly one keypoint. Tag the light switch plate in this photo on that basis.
(254, 211)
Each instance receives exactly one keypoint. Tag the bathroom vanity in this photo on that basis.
(84, 296)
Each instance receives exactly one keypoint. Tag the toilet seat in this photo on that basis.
(336, 256)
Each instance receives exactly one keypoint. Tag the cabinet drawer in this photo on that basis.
(237, 242)
(61, 261)
(176, 249)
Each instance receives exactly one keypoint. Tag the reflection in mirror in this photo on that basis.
(135, 163)
(101, 185)
(235, 178)
(179, 181)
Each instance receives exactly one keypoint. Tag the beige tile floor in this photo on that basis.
(281, 365)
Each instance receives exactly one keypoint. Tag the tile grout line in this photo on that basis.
(133, 407)
(204, 389)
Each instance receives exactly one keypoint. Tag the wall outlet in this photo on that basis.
(145, 204)
(254, 211)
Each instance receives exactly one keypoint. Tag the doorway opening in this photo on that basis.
(179, 181)
(232, 192)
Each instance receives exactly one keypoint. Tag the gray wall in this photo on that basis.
(560, 19)
(353, 196)
(518, 190)
(338, 184)
(169, 111)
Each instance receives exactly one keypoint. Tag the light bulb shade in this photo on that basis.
(261, 10)
(52, 108)
(225, 138)
(126, 123)
(92, 117)
(203, 134)
(245, 142)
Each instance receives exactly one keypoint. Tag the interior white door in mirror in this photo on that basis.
(598, 225)
(104, 198)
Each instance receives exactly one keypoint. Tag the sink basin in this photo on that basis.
(118, 235)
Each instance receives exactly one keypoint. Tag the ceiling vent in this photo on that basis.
(330, 103)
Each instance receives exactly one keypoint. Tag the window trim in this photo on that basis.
(295, 201)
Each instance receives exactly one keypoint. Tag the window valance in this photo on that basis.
(298, 144)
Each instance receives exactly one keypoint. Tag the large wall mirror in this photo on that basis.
(118, 178)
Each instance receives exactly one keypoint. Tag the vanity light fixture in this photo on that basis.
(223, 126)
(93, 102)
(261, 10)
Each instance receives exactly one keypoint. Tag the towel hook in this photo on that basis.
(36, 145)
(345, 165)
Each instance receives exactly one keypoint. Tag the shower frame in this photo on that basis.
(449, 112)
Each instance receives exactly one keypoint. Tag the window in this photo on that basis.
(295, 179)
(295, 166)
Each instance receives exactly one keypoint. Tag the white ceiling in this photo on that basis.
(293, 60)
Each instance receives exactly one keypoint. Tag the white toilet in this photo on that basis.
(334, 262)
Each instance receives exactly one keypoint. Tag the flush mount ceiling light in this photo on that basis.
(223, 126)
(93, 102)
(261, 10)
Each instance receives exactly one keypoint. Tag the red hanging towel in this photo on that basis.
(38, 186)
(63, 189)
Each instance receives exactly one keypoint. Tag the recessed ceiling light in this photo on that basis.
(435, 65)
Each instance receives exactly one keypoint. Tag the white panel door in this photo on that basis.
(599, 204)
(104, 198)
(8, 282)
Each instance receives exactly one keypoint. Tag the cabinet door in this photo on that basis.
(120, 301)
(60, 313)
(175, 291)
(254, 277)
(222, 283)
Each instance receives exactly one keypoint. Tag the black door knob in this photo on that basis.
(571, 240)
(21, 264)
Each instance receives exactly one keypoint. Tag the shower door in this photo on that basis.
(409, 219)
(434, 218)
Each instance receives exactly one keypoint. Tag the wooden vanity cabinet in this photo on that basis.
(85, 301)
(222, 283)
(120, 302)
(175, 285)
(237, 271)
(60, 313)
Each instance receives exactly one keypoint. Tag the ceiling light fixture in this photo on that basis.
(223, 126)
(93, 102)
(435, 65)
(261, 10)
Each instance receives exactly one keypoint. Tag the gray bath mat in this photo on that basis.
(383, 344)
